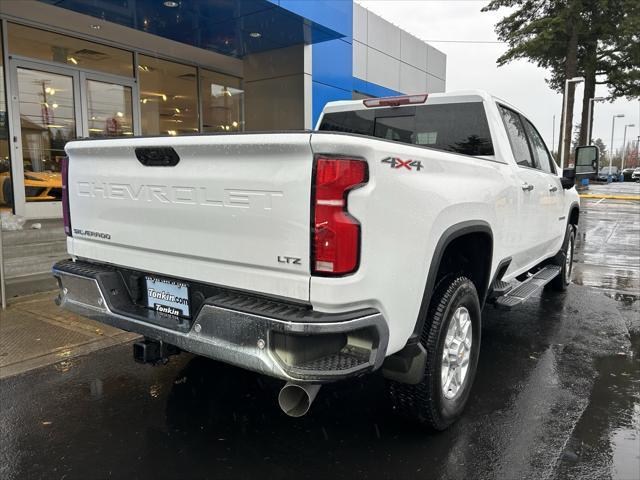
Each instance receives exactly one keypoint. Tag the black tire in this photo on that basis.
(425, 403)
(562, 281)
(7, 192)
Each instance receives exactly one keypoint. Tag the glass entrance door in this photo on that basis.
(51, 106)
(46, 112)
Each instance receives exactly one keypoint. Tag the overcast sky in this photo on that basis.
(472, 65)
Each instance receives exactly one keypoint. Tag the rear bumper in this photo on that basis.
(269, 337)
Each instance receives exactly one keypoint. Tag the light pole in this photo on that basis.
(590, 118)
(624, 142)
(553, 134)
(613, 126)
(564, 116)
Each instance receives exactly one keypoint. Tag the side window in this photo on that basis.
(517, 137)
(540, 152)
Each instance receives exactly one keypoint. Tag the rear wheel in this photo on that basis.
(451, 337)
(564, 259)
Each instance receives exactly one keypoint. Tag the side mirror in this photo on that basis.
(587, 158)
(568, 179)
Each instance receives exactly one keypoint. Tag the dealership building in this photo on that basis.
(115, 68)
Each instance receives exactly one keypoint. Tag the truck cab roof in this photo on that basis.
(459, 96)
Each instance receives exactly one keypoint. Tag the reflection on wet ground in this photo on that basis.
(606, 440)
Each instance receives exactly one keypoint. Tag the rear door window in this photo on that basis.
(452, 127)
(517, 137)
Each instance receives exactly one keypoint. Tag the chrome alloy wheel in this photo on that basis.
(568, 262)
(456, 353)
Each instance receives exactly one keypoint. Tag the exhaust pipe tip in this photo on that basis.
(296, 399)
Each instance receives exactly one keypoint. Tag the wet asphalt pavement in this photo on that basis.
(557, 395)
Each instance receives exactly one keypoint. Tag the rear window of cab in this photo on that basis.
(451, 127)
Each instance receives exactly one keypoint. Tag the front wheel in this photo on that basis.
(564, 259)
(451, 337)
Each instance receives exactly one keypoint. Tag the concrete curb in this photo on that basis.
(610, 197)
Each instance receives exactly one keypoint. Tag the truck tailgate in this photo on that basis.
(234, 210)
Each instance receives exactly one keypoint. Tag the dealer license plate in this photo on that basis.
(168, 296)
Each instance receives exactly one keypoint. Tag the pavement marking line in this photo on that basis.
(611, 197)
(600, 201)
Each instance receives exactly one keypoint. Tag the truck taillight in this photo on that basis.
(335, 233)
(65, 196)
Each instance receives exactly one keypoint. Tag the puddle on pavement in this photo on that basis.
(606, 440)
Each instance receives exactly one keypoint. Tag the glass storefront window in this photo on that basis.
(222, 102)
(109, 109)
(47, 123)
(54, 47)
(6, 192)
(168, 97)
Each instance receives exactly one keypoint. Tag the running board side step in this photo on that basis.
(527, 288)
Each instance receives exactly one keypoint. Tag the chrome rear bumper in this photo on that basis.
(277, 339)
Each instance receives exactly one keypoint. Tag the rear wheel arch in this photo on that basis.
(470, 236)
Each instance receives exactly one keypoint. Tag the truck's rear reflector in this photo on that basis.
(335, 234)
(65, 196)
(395, 101)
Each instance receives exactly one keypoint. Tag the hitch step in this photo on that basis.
(526, 289)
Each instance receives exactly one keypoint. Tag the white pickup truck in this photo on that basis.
(370, 243)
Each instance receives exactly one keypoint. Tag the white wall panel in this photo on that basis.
(435, 84)
(383, 69)
(359, 60)
(386, 55)
(413, 51)
(412, 80)
(383, 35)
(359, 23)
(436, 63)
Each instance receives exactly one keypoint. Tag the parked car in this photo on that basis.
(39, 186)
(635, 176)
(606, 172)
(372, 243)
(627, 173)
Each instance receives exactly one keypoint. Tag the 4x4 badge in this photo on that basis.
(397, 163)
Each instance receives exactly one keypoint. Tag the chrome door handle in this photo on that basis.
(527, 187)
(553, 188)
